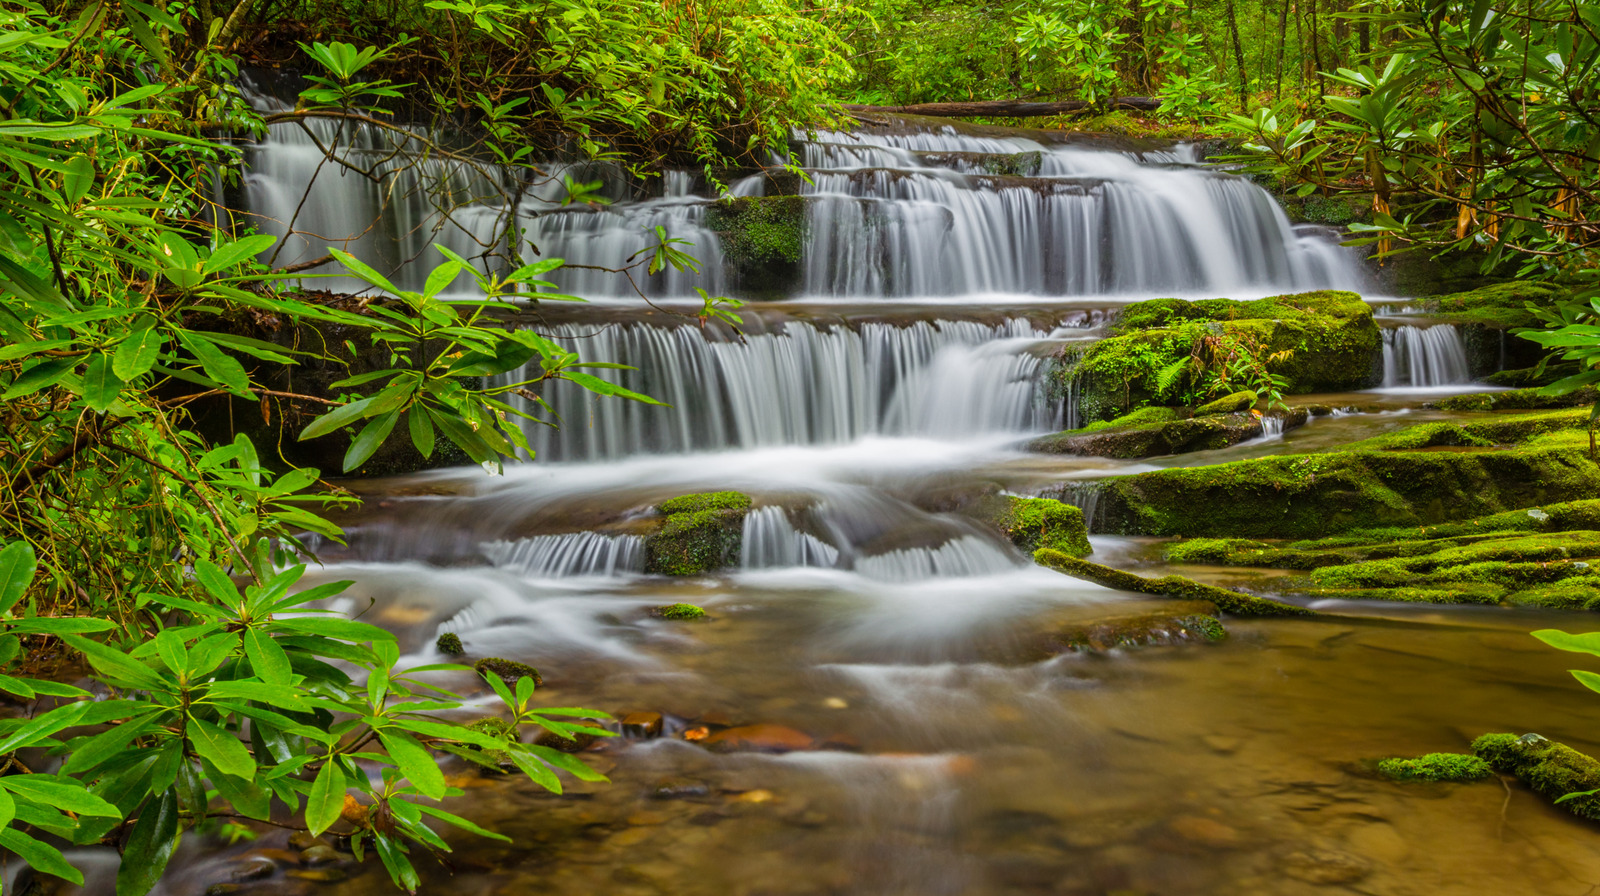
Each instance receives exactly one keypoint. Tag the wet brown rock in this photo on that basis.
(575, 744)
(321, 875)
(642, 724)
(1325, 867)
(253, 868)
(762, 738)
(319, 854)
(679, 788)
(302, 840)
(1206, 832)
(1190, 621)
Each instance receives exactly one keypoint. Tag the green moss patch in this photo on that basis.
(510, 671)
(1319, 341)
(763, 239)
(1518, 400)
(1199, 433)
(1436, 767)
(449, 644)
(700, 533)
(1170, 586)
(1227, 404)
(1034, 523)
(679, 612)
(1553, 770)
(1501, 306)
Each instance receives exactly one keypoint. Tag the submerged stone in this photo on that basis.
(1034, 523)
(1190, 622)
(1551, 769)
(701, 533)
(760, 738)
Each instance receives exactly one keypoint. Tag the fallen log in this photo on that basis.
(1009, 108)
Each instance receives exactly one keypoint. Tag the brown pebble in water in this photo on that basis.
(1325, 867)
(319, 854)
(302, 840)
(642, 724)
(646, 819)
(321, 875)
(254, 868)
(763, 738)
(697, 733)
(754, 796)
(1206, 832)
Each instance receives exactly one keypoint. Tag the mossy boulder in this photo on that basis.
(1169, 586)
(1436, 767)
(1319, 341)
(699, 533)
(1227, 404)
(1154, 439)
(763, 239)
(1551, 769)
(1310, 496)
(1034, 523)
(1188, 622)
(1518, 400)
(678, 612)
(449, 644)
(510, 671)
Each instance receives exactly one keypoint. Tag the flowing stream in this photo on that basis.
(881, 638)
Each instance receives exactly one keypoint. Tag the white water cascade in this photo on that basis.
(1424, 357)
(770, 541)
(801, 384)
(902, 212)
(568, 555)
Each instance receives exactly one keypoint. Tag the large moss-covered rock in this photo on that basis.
(762, 238)
(1235, 403)
(1553, 770)
(699, 533)
(1034, 523)
(1320, 341)
(1518, 400)
(1321, 494)
(1156, 439)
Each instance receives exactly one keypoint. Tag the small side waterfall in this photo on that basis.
(1422, 357)
(568, 555)
(771, 542)
(956, 558)
(802, 384)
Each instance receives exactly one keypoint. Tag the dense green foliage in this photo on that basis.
(1436, 767)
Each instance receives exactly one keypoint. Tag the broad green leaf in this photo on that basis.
(370, 439)
(326, 798)
(101, 386)
(336, 418)
(1584, 643)
(268, 660)
(218, 365)
(216, 582)
(39, 376)
(66, 794)
(246, 797)
(8, 808)
(41, 856)
(150, 845)
(79, 178)
(415, 762)
(421, 429)
(43, 726)
(460, 822)
(229, 255)
(137, 353)
(117, 667)
(221, 749)
(1589, 679)
(17, 566)
(358, 267)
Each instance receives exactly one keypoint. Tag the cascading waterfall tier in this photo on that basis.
(568, 555)
(1424, 357)
(888, 214)
(801, 384)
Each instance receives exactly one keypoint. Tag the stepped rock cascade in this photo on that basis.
(1424, 357)
(888, 214)
(886, 695)
(799, 385)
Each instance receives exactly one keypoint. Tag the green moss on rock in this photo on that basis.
(1227, 404)
(1311, 496)
(1553, 770)
(700, 533)
(1155, 439)
(1436, 767)
(1170, 586)
(510, 671)
(1518, 400)
(1330, 337)
(1034, 523)
(679, 612)
(762, 238)
(449, 644)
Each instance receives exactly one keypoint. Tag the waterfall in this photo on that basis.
(921, 213)
(568, 555)
(959, 557)
(1421, 357)
(771, 542)
(802, 384)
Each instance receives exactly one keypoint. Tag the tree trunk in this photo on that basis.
(1238, 56)
(1009, 108)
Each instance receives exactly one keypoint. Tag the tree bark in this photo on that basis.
(1009, 108)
